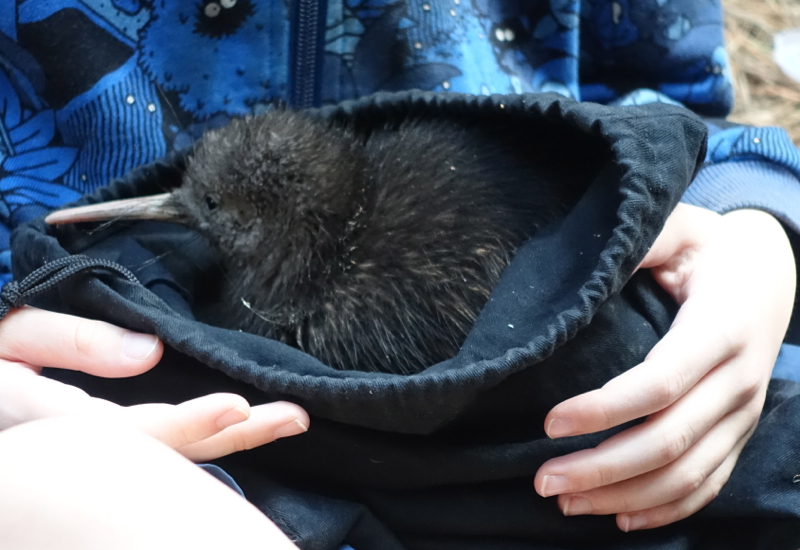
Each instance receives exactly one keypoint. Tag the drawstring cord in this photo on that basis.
(16, 293)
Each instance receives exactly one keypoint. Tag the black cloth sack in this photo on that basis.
(443, 459)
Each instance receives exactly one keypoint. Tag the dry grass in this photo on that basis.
(764, 95)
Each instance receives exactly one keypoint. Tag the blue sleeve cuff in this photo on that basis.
(754, 184)
(750, 168)
(748, 143)
(786, 366)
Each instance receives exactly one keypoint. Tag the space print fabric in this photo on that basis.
(91, 89)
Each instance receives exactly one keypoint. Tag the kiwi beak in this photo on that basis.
(155, 207)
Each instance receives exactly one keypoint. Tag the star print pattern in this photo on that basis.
(93, 88)
(627, 44)
(30, 164)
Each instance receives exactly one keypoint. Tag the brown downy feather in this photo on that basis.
(372, 252)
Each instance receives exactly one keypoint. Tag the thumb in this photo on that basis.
(45, 339)
(684, 232)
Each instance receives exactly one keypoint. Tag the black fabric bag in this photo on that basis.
(443, 459)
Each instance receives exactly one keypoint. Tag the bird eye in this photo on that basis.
(211, 203)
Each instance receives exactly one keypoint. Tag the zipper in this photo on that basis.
(308, 32)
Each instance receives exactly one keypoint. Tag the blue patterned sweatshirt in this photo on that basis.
(89, 89)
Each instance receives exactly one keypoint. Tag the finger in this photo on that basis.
(266, 424)
(671, 369)
(674, 482)
(659, 441)
(685, 507)
(682, 233)
(25, 397)
(74, 343)
(188, 422)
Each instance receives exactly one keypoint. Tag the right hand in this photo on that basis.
(202, 429)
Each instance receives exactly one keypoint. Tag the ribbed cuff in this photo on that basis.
(757, 184)
(743, 143)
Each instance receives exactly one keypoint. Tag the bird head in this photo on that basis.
(264, 190)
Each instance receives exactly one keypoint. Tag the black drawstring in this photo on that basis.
(16, 294)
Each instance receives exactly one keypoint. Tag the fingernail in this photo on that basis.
(138, 346)
(554, 485)
(632, 523)
(231, 417)
(289, 429)
(577, 506)
(560, 427)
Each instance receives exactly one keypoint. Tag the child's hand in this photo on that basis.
(703, 386)
(201, 429)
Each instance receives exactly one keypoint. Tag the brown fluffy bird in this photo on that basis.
(372, 251)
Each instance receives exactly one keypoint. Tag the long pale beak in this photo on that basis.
(155, 207)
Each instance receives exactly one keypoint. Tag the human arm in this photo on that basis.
(703, 385)
(737, 318)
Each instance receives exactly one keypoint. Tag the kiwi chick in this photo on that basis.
(372, 252)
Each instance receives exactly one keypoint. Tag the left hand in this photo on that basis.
(201, 429)
(702, 387)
